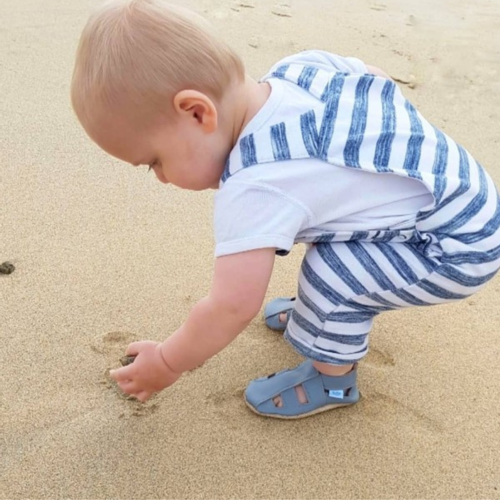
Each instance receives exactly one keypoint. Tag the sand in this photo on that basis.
(105, 254)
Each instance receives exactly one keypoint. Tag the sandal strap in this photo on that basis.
(283, 383)
(321, 391)
(343, 382)
(289, 398)
(278, 383)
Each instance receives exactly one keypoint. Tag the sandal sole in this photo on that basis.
(302, 415)
(281, 330)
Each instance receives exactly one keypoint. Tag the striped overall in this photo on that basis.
(447, 253)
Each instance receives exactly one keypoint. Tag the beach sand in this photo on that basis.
(105, 254)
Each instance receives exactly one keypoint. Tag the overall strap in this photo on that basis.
(308, 135)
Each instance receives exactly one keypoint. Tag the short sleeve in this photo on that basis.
(324, 60)
(249, 217)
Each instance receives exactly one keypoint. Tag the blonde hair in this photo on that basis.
(142, 52)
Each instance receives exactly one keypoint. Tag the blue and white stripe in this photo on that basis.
(348, 277)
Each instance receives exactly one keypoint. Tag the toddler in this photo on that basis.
(323, 150)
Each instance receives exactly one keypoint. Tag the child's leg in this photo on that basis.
(342, 287)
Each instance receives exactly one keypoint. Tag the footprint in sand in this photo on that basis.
(378, 358)
(112, 347)
(220, 397)
(227, 401)
(378, 404)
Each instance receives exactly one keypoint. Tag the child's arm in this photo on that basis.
(238, 290)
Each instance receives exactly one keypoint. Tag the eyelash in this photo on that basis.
(150, 166)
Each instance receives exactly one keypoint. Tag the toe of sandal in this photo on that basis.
(274, 309)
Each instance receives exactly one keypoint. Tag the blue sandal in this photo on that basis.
(274, 309)
(323, 392)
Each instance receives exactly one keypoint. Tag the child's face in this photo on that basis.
(188, 150)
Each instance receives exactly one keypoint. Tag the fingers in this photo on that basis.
(128, 386)
(133, 388)
(126, 377)
(122, 374)
(134, 348)
(124, 381)
(143, 396)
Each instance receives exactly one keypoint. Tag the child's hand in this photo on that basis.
(147, 374)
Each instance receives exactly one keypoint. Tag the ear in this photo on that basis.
(197, 106)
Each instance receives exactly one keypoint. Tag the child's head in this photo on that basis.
(150, 85)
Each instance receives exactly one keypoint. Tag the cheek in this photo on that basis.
(191, 163)
(193, 159)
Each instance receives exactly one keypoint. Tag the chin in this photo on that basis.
(200, 188)
(192, 186)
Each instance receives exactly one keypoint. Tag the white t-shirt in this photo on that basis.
(272, 204)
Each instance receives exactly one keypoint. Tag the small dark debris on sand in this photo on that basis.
(281, 13)
(7, 268)
(409, 82)
(127, 360)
